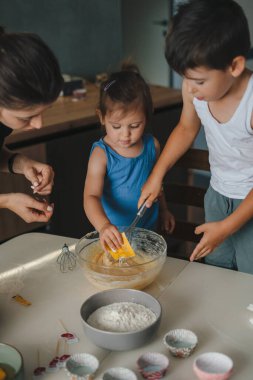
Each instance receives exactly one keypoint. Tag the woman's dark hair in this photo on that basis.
(126, 87)
(29, 72)
(208, 33)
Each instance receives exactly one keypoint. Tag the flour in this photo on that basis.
(122, 317)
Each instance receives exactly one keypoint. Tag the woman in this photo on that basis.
(30, 81)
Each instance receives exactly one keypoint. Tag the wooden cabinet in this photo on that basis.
(69, 157)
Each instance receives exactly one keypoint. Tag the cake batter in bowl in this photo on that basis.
(135, 272)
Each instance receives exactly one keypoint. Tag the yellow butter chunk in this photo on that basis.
(2, 374)
(124, 251)
(21, 300)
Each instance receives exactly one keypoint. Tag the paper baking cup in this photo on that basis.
(119, 373)
(213, 366)
(181, 342)
(81, 365)
(153, 365)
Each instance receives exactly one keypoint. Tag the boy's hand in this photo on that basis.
(213, 235)
(167, 221)
(110, 237)
(150, 192)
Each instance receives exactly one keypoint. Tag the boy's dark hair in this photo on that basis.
(126, 87)
(29, 72)
(208, 33)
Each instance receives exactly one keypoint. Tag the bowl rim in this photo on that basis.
(79, 252)
(125, 333)
(4, 344)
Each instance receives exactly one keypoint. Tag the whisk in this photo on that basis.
(66, 259)
(129, 230)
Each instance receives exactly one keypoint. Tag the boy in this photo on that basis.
(207, 44)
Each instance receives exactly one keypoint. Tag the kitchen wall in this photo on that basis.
(144, 25)
(84, 34)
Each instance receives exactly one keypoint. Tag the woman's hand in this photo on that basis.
(110, 237)
(28, 208)
(40, 175)
(213, 235)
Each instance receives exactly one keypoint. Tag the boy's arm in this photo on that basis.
(93, 190)
(177, 144)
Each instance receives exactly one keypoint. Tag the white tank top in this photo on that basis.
(230, 147)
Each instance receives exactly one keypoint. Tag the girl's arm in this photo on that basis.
(177, 144)
(93, 190)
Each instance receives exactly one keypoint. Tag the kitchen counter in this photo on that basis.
(208, 300)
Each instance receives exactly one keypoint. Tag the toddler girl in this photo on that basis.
(122, 160)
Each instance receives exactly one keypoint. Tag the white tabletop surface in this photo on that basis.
(208, 300)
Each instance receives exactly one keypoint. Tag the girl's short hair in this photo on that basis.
(29, 72)
(126, 87)
(208, 33)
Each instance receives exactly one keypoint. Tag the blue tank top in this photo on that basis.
(123, 181)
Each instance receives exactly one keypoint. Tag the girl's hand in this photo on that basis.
(40, 175)
(110, 237)
(213, 235)
(167, 221)
(150, 192)
(28, 208)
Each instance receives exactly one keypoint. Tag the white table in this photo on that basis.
(208, 300)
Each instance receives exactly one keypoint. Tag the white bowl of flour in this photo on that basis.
(120, 319)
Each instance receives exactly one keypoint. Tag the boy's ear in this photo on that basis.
(237, 66)
(100, 116)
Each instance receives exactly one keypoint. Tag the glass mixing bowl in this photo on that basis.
(135, 272)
